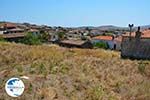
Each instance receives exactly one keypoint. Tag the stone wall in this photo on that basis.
(135, 48)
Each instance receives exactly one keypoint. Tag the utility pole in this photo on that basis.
(131, 26)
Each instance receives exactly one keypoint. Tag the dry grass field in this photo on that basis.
(57, 73)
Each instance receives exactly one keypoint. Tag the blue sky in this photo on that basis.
(76, 12)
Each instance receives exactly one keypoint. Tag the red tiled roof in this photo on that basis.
(145, 34)
(103, 38)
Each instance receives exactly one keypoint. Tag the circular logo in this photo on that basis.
(14, 87)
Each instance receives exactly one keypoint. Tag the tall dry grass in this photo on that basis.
(58, 73)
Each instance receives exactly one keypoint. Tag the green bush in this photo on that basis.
(141, 67)
(31, 39)
(44, 36)
(101, 45)
(2, 39)
(109, 34)
(61, 35)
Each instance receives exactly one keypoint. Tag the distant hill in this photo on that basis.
(145, 27)
(114, 28)
(102, 28)
(105, 27)
(111, 27)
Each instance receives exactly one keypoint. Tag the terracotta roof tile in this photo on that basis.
(103, 38)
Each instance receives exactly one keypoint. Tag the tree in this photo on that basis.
(44, 36)
(31, 39)
(61, 35)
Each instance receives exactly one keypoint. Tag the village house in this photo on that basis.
(17, 35)
(96, 32)
(10, 28)
(114, 43)
(118, 41)
(1, 30)
(10, 32)
(53, 37)
(5, 27)
(14, 30)
(71, 35)
(136, 45)
(21, 26)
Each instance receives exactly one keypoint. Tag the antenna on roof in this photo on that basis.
(131, 26)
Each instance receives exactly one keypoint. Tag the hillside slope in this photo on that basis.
(57, 73)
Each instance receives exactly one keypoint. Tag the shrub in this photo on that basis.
(141, 68)
(96, 93)
(41, 68)
(31, 39)
(44, 36)
(101, 45)
(61, 35)
(84, 38)
(109, 34)
(2, 39)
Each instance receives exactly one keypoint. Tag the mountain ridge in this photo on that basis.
(102, 27)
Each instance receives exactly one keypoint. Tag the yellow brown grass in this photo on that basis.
(73, 74)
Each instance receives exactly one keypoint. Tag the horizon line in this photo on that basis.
(77, 26)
